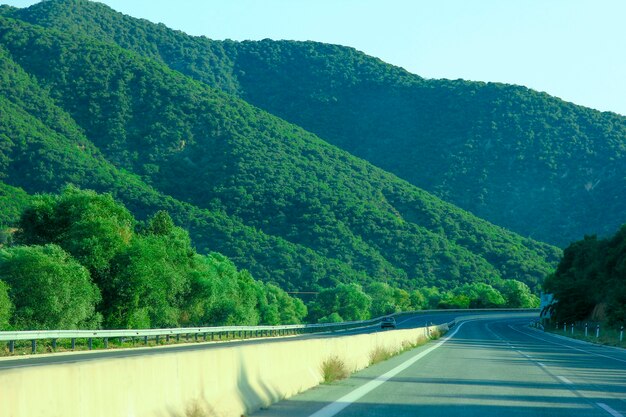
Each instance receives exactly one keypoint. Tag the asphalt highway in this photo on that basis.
(493, 365)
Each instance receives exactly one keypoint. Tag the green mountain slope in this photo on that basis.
(43, 149)
(521, 159)
(217, 155)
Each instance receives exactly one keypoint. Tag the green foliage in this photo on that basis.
(93, 228)
(389, 300)
(12, 203)
(275, 199)
(151, 277)
(48, 288)
(351, 219)
(481, 295)
(6, 307)
(518, 295)
(347, 301)
(476, 144)
(589, 280)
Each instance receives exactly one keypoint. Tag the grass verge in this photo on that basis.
(334, 369)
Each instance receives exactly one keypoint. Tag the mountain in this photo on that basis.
(521, 159)
(275, 198)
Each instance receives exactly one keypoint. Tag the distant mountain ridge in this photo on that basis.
(277, 199)
(521, 159)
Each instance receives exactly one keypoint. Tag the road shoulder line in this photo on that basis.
(343, 402)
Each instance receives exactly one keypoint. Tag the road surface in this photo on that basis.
(493, 366)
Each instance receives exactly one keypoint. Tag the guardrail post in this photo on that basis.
(204, 336)
(54, 344)
(145, 340)
(106, 342)
(178, 337)
(597, 331)
(11, 346)
(90, 343)
(73, 343)
(565, 327)
(572, 328)
(156, 338)
(621, 334)
(167, 338)
(33, 345)
(585, 329)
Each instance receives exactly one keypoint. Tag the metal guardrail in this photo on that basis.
(212, 333)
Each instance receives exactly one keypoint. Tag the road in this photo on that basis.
(416, 320)
(492, 366)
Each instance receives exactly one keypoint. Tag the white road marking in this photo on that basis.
(609, 410)
(567, 346)
(335, 407)
(567, 381)
(541, 364)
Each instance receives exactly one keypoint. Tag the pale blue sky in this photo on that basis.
(573, 49)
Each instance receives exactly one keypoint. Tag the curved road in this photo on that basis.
(493, 365)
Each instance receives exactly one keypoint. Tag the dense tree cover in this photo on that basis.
(234, 172)
(352, 302)
(81, 259)
(6, 306)
(45, 150)
(590, 280)
(513, 156)
(48, 288)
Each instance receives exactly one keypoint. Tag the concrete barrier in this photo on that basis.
(224, 381)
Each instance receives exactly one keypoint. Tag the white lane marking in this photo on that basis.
(541, 364)
(567, 346)
(335, 407)
(610, 410)
(567, 381)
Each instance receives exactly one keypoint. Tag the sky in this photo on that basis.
(572, 49)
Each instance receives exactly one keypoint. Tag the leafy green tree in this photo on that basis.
(92, 227)
(49, 289)
(331, 318)
(518, 295)
(383, 299)
(418, 300)
(6, 307)
(579, 280)
(481, 295)
(347, 300)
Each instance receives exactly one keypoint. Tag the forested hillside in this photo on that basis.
(518, 158)
(589, 281)
(273, 197)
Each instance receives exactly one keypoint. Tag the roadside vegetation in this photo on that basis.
(589, 283)
(80, 260)
(609, 336)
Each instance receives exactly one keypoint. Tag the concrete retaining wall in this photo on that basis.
(225, 381)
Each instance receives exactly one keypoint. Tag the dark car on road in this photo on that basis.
(388, 323)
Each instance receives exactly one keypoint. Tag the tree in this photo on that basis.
(347, 300)
(6, 306)
(383, 299)
(49, 289)
(92, 227)
(418, 300)
(518, 295)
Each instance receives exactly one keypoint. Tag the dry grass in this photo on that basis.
(380, 354)
(435, 334)
(334, 369)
